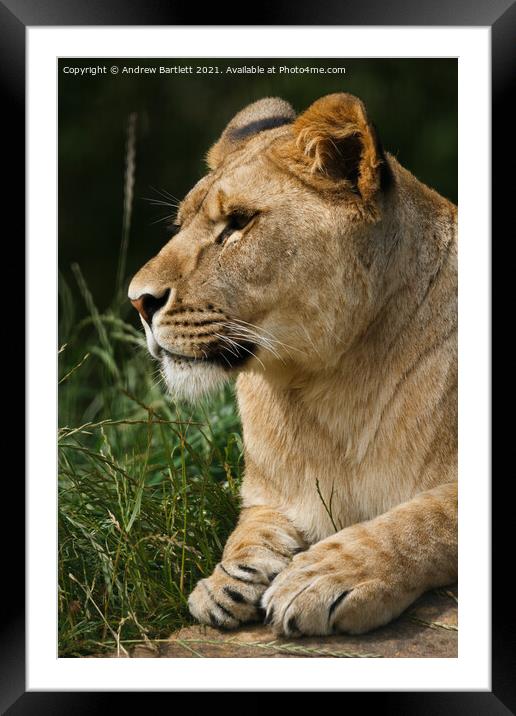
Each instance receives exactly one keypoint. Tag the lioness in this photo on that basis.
(312, 265)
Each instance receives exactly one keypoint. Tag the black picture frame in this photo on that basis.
(500, 16)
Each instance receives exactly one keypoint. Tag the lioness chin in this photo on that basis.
(314, 267)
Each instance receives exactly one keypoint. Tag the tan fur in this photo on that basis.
(344, 283)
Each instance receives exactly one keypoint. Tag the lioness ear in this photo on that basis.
(335, 140)
(265, 114)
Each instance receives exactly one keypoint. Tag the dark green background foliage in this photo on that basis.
(412, 102)
(148, 489)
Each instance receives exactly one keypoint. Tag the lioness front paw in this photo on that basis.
(328, 591)
(231, 596)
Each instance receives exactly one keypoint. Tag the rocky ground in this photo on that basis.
(428, 629)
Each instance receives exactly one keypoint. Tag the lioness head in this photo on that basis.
(277, 258)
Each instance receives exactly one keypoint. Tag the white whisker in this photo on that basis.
(158, 202)
(245, 333)
(239, 346)
(259, 341)
(169, 217)
(270, 338)
(165, 194)
(227, 341)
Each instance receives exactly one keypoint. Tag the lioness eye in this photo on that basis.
(236, 222)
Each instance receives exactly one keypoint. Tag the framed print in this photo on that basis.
(161, 543)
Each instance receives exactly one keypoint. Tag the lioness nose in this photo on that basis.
(147, 304)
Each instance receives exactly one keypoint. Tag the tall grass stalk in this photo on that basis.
(130, 173)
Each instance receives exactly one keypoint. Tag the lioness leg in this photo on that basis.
(260, 547)
(367, 574)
